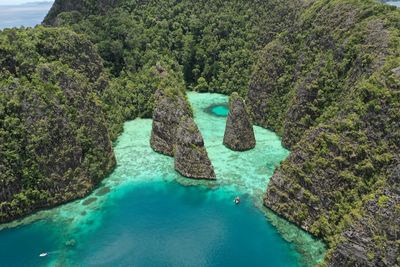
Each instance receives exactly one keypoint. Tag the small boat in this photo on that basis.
(44, 254)
(237, 200)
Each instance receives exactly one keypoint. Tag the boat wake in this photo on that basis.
(45, 254)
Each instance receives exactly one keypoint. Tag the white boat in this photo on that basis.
(44, 254)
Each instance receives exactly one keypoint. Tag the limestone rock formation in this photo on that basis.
(57, 148)
(373, 239)
(174, 133)
(334, 179)
(167, 115)
(191, 159)
(239, 133)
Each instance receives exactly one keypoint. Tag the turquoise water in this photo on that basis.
(220, 110)
(145, 214)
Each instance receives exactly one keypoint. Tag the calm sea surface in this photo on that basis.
(27, 15)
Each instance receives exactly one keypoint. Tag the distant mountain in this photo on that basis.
(28, 14)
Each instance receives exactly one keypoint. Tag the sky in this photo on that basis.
(13, 2)
(14, 14)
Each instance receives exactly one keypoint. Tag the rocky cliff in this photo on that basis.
(174, 133)
(239, 133)
(373, 238)
(168, 113)
(54, 143)
(331, 89)
(191, 158)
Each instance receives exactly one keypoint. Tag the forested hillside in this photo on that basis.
(59, 112)
(54, 143)
(323, 74)
(215, 43)
(332, 90)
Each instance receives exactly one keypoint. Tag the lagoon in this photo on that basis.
(145, 214)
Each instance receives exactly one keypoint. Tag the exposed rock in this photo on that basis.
(334, 183)
(239, 133)
(301, 106)
(174, 133)
(396, 72)
(169, 111)
(191, 159)
(161, 70)
(373, 239)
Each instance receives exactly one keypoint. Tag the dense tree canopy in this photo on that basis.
(215, 43)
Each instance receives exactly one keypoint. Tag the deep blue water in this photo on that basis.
(173, 225)
(28, 15)
(158, 224)
(21, 246)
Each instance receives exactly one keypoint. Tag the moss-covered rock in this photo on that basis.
(169, 111)
(373, 238)
(191, 158)
(54, 146)
(331, 90)
(239, 133)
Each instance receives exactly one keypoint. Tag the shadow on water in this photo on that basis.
(218, 110)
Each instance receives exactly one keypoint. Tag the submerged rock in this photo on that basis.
(169, 111)
(239, 133)
(70, 243)
(191, 159)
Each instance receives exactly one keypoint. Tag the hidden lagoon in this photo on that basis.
(146, 214)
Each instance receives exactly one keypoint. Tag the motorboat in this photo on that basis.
(237, 200)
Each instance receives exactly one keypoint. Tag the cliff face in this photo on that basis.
(239, 133)
(54, 143)
(191, 159)
(167, 115)
(174, 133)
(331, 89)
(373, 238)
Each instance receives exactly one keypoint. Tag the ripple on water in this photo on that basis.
(145, 213)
